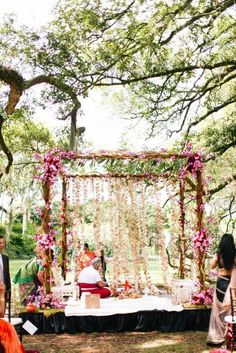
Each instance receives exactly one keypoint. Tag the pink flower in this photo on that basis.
(45, 241)
(201, 240)
(52, 164)
(204, 297)
(219, 350)
(45, 300)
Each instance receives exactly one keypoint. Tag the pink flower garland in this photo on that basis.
(194, 162)
(51, 165)
(45, 241)
(201, 240)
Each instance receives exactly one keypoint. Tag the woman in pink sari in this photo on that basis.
(224, 259)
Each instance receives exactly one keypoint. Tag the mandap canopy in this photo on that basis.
(119, 196)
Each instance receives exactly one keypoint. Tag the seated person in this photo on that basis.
(90, 280)
(9, 341)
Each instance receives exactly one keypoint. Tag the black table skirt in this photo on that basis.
(142, 321)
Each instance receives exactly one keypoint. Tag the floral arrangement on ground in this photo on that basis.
(42, 301)
(204, 297)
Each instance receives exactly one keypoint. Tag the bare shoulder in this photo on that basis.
(214, 261)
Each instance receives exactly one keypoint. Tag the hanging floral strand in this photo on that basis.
(174, 225)
(124, 238)
(113, 228)
(134, 232)
(118, 218)
(121, 241)
(84, 187)
(76, 211)
(97, 213)
(144, 236)
(182, 241)
(72, 200)
(161, 237)
(64, 230)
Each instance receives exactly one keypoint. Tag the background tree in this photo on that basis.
(171, 57)
(177, 58)
(19, 191)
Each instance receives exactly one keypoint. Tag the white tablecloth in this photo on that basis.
(112, 306)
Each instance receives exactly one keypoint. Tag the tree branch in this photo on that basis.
(221, 186)
(118, 81)
(230, 213)
(5, 149)
(216, 10)
(210, 112)
(53, 81)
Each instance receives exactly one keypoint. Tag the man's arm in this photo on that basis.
(102, 284)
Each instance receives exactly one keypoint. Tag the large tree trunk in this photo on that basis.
(73, 130)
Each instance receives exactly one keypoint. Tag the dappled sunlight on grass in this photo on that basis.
(167, 347)
(174, 343)
(156, 343)
(125, 342)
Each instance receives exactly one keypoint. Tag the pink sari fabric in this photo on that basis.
(9, 338)
(217, 327)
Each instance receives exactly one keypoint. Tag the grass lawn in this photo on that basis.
(125, 342)
(15, 265)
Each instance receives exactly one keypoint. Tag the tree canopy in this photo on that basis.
(176, 57)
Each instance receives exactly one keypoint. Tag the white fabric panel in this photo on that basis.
(112, 306)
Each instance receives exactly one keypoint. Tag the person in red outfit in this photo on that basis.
(9, 341)
(84, 258)
(89, 253)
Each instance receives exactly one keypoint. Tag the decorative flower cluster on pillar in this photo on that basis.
(51, 166)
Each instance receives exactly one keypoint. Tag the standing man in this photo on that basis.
(4, 268)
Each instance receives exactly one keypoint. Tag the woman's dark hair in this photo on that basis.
(86, 245)
(226, 251)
